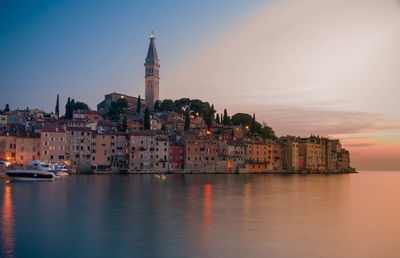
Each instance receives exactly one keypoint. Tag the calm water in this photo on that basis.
(355, 215)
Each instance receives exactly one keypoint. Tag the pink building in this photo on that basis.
(54, 145)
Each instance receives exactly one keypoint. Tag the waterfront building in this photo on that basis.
(27, 148)
(343, 160)
(79, 147)
(161, 153)
(54, 145)
(176, 157)
(332, 150)
(236, 154)
(259, 155)
(152, 75)
(119, 150)
(8, 145)
(202, 154)
(290, 153)
(141, 151)
(101, 151)
(276, 157)
(312, 151)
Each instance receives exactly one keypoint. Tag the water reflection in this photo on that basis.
(207, 214)
(7, 225)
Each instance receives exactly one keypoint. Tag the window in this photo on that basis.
(22, 157)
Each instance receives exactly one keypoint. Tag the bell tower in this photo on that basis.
(152, 75)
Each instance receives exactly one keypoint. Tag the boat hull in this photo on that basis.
(30, 176)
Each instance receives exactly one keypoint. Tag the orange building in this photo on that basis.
(89, 115)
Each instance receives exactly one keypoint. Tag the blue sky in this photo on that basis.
(85, 49)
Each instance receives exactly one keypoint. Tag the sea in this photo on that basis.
(344, 215)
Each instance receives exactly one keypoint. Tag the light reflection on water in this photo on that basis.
(7, 225)
(355, 215)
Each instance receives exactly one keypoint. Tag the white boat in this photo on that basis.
(38, 171)
(61, 170)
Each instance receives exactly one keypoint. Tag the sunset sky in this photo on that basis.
(323, 67)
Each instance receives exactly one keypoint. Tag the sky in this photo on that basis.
(328, 68)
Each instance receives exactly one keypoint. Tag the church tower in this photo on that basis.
(152, 74)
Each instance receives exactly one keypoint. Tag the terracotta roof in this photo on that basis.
(72, 128)
(53, 129)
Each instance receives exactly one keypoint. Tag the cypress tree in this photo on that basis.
(217, 120)
(7, 108)
(187, 121)
(58, 106)
(253, 124)
(124, 125)
(138, 105)
(156, 105)
(67, 107)
(146, 119)
(226, 120)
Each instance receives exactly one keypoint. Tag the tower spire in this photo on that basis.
(152, 68)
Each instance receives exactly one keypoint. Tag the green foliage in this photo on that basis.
(209, 118)
(255, 127)
(156, 105)
(217, 120)
(253, 124)
(7, 108)
(226, 120)
(68, 109)
(146, 119)
(267, 132)
(124, 124)
(241, 119)
(80, 106)
(187, 121)
(182, 105)
(72, 105)
(167, 105)
(139, 105)
(117, 108)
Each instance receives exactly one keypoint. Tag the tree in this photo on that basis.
(209, 118)
(139, 105)
(217, 120)
(187, 121)
(124, 124)
(80, 106)
(242, 119)
(117, 108)
(68, 113)
(157, 105)
(71, 106)
(182, 105)
(7, 108)
(253, 124)
(267, 132)
(146, 119)
(167, 105)
(58, 106)
(226, 120)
